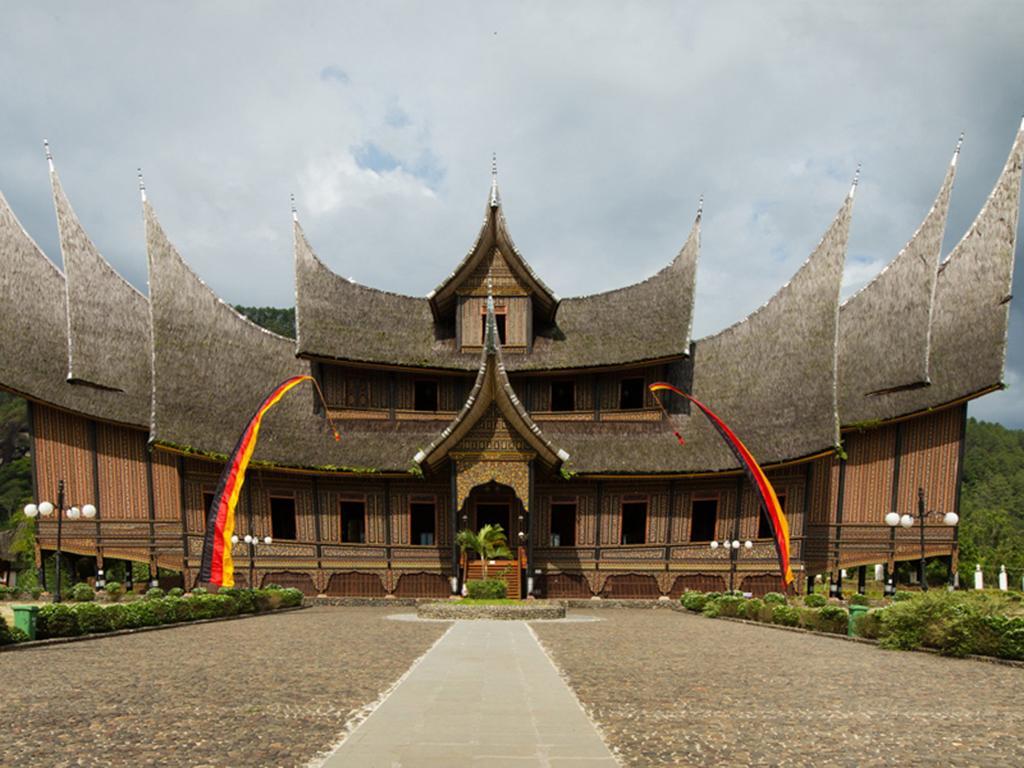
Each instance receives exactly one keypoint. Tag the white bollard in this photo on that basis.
(979, 578)
(879, 572)
(1004, 579)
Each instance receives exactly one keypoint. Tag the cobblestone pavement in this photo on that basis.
(265, 691)
(672, 689)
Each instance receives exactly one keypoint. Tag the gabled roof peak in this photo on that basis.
(495, 196)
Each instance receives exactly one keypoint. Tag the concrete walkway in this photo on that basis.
(485, 694)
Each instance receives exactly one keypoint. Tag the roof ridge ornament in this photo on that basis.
(856, 180)
(295, 211)
(495, 197)
(700, 206)
(49, 155)
(956, 152)
(142, 186)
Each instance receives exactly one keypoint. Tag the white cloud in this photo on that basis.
(336, 182)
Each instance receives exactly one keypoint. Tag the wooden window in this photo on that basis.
(353, 522)
(634, 522)
(631, 394)
(563, 395)
(764, 525)
(500, 315)
(282, 518)
(425, 398)
(703, 519)
(563, 524)
(422, 523)
(357, 392)
(207, 503)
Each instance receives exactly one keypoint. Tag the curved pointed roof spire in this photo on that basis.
(495, 196)
(856, 180)
(295, 211)
(49, 155)
(142, 186)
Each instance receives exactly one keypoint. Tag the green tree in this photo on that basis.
(489, 543)
(280, 321)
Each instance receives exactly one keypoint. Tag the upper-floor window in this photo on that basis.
(764, 525)
(703, 519)
(422, 522)
(500, 315)
(425, 396)
(353, 522)
(282, 518)
(563, 524)
(634, 522)
(631, 394)
(563, 395)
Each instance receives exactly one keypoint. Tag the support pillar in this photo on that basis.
(862, 577)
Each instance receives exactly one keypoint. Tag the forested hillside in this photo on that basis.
(280, 321)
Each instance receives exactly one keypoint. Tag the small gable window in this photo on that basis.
(425, 398)
(500, 316)
(563, 395)
(631, 394)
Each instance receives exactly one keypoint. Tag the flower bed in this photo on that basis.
(88, 617)
(509, 611)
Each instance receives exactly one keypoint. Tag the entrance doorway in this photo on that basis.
(493, 513)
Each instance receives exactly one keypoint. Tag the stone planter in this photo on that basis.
(525, 612)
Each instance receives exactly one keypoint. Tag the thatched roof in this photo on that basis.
(971, 312)
(341, 320)
(491, 387)
(772, 376)
(33, 330)
(884, 328)
(108, 319)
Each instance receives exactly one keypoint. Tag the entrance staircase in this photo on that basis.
(509, 571)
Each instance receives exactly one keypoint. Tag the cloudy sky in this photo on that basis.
(609, 121)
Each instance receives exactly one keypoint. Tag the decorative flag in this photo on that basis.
(217, 566)
(756, 475)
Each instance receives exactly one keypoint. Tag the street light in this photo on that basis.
(45, 509)
(733, 548)
(252, 541)
(893, 519)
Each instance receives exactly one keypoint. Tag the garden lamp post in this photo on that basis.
(45, 509)
(733, 547)
(906, 520)
(252, 541)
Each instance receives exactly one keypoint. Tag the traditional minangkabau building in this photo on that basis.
(525, 409)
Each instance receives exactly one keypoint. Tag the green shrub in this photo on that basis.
(211, 606)
(900, 595)
(244, 599)
(486, 589)
(56, 620)
(267, 599)
(5, 633)
(1010, 632)
(751, 609)
(117, 616)
(713, 595)
(711, 609)
(291, 597)
(832, 618)
(954, 623)
(869, 624)
(200, 591)
(730, 606)
(7, 593)
(82, 593)
(175, 592)
(141, 614)
(694, 601)
(115, 591)
(272, 586)
(815, 601)
(19, 635)
(786, 615)
(154, 593)
(857, 599)
(92, 618)
(774, 598)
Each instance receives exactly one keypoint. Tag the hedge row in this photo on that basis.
(63, 620)
(486, 589)
(771, 609)
(953, 623)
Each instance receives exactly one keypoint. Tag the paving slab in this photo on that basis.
(485, 694)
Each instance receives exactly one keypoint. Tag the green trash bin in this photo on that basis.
(25, 619)
(855, 611)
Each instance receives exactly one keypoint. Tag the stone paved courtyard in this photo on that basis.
(668, 688)
(265, 691)
(665, 688)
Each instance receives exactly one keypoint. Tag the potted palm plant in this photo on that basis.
(489, 543)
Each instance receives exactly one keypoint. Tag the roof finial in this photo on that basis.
(495, 198)
(956, 153)
(49, 156)
(700, 205)
(295, 211)
(856, 179)
(489, 340)
(142, 186)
